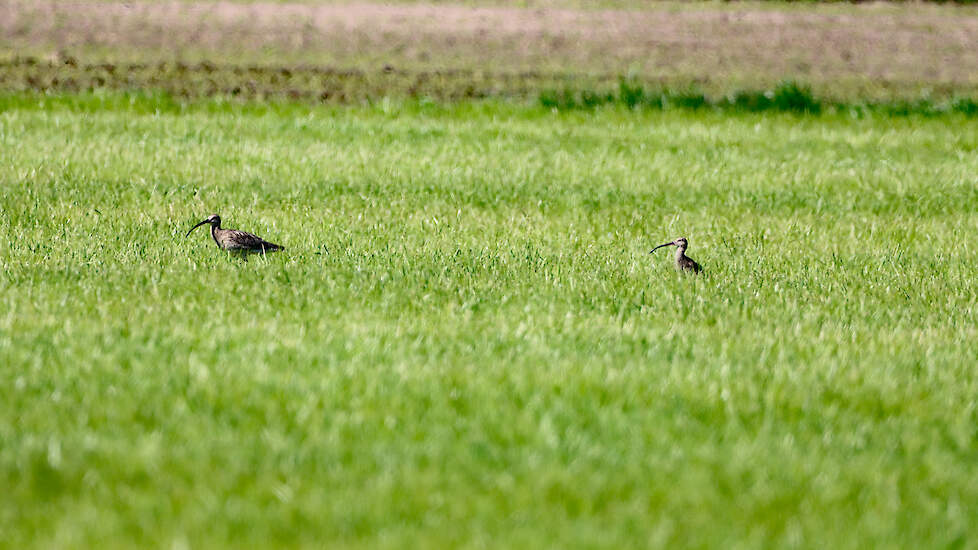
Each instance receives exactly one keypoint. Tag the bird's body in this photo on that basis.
(233, 240)
(683, 262)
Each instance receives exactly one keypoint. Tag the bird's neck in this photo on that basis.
(680, 252)
(214, 229)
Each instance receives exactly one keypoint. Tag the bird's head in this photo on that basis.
(681, 242)
(213, 219)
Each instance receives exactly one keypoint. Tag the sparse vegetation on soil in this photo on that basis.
(861, 52)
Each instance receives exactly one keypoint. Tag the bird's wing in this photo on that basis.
(240, 239)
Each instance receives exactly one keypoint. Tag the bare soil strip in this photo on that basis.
(285, 82)
(858, 50)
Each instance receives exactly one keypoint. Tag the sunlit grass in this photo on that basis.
(466, 342)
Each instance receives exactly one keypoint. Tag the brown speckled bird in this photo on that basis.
(683, 262)
(233, 240)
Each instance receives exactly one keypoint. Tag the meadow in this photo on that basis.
(466, 342)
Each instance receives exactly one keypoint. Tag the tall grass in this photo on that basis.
(466, 342)
(788, 96)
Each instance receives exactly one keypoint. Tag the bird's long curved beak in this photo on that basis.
(673, 243)
(195, 227)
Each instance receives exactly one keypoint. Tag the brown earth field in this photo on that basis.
(348, 51)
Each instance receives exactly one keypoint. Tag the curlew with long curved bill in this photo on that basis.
(683, 262)
(233, 240)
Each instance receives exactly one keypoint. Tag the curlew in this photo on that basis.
(683, 262)
(233, 240)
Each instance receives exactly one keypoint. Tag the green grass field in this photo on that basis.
(466, 342)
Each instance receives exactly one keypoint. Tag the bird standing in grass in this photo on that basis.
(233, 240)
(683, 262)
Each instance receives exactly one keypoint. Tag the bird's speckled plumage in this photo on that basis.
(233, 240)
(683, 262)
